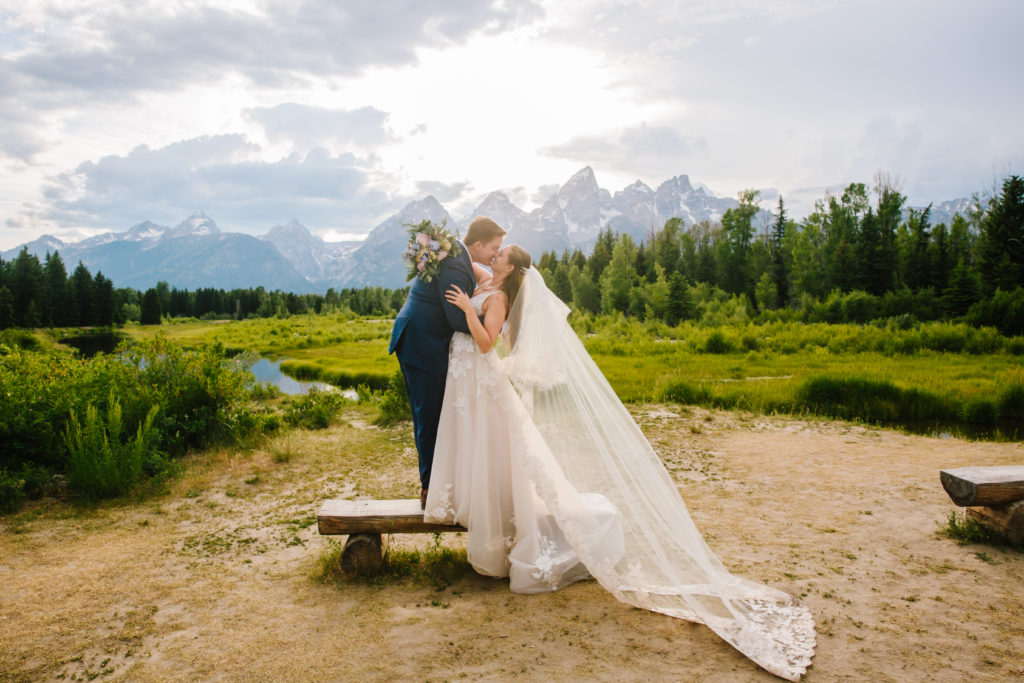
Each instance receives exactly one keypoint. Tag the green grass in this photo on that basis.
(966, 531)
(935, 373)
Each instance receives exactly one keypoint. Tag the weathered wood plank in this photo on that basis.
(376, 517)
(1008, 519)
(984, 485)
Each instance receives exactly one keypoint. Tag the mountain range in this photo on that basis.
(196, 253)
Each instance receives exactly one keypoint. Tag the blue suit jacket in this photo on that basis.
(424, 326)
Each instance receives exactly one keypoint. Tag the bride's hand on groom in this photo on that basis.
(458, 298)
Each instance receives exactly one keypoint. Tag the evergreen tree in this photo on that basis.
(1001, 248)
(938, 258)
(6, 308)
(28, 287)
(680, 305)
(602, 254)
(666, 246)
(778, 252)
(889, 213)
(918, 267)
(105, 306)
(561, 285)
(150, 314)
(961, 292)
(83, 286)
(57, 282)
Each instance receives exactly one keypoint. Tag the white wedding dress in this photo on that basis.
(554, 481)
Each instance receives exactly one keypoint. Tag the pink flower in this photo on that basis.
(442, 255)
(421, 266)
(423, 239)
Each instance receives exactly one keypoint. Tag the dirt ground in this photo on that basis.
(212, 580)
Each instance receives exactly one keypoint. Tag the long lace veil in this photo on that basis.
(665, 565)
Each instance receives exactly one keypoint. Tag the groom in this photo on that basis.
(423, 329)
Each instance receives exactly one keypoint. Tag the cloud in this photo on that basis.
(443, 192)
(223, 176)
(101, 46)
(649, 151)
(306, 127)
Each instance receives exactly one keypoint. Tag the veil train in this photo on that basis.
(580, 444)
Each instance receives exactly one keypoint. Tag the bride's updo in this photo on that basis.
(518, 257)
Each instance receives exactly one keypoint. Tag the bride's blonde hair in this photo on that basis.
(519, 258)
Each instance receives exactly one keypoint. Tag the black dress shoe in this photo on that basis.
(423, 499)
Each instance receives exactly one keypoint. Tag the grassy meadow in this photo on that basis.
(923, 376)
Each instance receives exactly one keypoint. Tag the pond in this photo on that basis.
(269, 371)
(88, 345)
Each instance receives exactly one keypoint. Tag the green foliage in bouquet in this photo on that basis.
(429, 244)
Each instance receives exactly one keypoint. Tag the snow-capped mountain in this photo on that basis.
(378, 261)
(196, 253)
(316, 260)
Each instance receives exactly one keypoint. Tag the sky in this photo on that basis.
(337, 114)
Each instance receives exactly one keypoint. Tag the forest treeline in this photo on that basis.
(859, 256)
(41, 294)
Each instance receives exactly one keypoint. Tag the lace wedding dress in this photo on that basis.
(555, 482)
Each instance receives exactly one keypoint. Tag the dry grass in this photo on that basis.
(214, 580)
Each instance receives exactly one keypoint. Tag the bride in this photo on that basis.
(554, 481)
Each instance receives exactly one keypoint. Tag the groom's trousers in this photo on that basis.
(426, 394)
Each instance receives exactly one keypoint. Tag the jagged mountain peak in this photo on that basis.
(196, 225)
(292, 230)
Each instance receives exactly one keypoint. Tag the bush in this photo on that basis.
(101, 464)
(394, 402)
(869, 399)
(717, 343)
(979, 411)
(681, 391)
(315, 409)
(12, 491)
(1011, 400)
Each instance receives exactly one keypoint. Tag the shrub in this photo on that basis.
(12, 491)
(684, 392)
(869, 399)
(717, 343)
(394, 402)
(979, 411)
(1011, 400)
(101, 464)
(315, 409)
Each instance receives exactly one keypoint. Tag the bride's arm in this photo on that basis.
(486, 331)
(481, 273)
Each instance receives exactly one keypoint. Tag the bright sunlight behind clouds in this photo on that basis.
(337, 114)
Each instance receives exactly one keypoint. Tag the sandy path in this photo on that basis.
(211, 582)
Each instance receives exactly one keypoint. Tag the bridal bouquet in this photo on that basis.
(429, 244)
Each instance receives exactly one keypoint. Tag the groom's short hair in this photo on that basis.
(484, 230)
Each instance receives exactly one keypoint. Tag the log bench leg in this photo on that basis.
(362, 555)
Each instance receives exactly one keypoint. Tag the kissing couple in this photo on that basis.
(522, 440)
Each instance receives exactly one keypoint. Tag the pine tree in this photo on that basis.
(150, 308)
(778, 254)
(57, 282)
(6, 308)
(83, 286)
(961, 292)
(680, 306)
(1001, 248)
(105, 309)
(27, 284)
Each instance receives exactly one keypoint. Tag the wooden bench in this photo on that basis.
(993, 496)
(365, 521)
